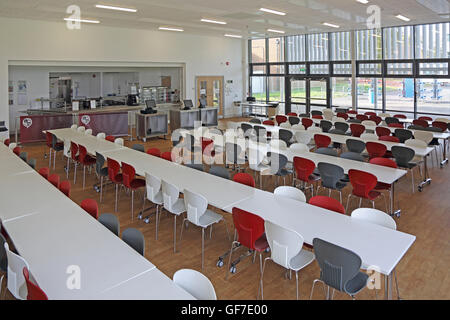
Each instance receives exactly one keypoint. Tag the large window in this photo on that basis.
(370, 93)
(341, 46)
(258, 88)
(434, 96)
(276, 50)
(276, 89)
(399, 94)
(398, 43)
(318, 47)
(296, 48)
(258, 51)
(341, 92)
(369, 44)
(433, 41)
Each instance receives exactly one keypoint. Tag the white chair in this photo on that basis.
(416, 143)
(384, 115)
(119, 141)
(199, 215)
(299, 147)
(155, 196)
(303, 137)
(286, 250)
(173, 204)
(74, 127)
(285, 125)
(276, 144)
(232, 125)
(446, 120)
(88, 132)
(369, 136)
(195, 283)
(379, 218)
(81, 129)
(16, 281)
(255, 163)
(369, 123)
(298, 127)
(426, 137)
(290, 192)
(314, 129)
(101, 136)
(327, 114)
(12, 146)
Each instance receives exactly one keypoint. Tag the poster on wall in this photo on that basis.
(22, 99)
(10, 87)
(21, 86)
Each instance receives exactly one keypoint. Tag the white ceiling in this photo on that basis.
(242, 16)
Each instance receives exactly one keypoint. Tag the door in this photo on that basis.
(306, 94)
(211, 89)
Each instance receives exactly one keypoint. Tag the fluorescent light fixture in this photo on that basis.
(363, 1)
(102, 6)
(273, 11)
(213, 21)
(275, 31)
(171, 29)
(399, 16)
(233, 36)
(330, 25)
(82, 20)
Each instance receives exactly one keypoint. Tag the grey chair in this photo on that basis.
(32, 163)
(354, 121)
(339, 269)
(342, 126)
(138, 147)
(390, 120)
(24, 156)
(261, 133)
(196, 166)
(248, 130)
(219, 172)
(351, 156)
(316, 113)
(57, 147)
(255, 120)
(135, 239)
(403, 156)
(414, 127)
(3, 261)
(102, 172)
(356, 146)
(327, 151)
(325, 125)
(294, 120)
(286, 136)
(111, 222)
(331, 176)
(403, 134)
(304, 115)
(278, 164)
(232, 153)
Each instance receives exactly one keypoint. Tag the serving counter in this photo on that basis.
(185, 119)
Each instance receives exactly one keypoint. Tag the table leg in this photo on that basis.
(393, 211)
(445, 160)
(426, 179)
(388, 287)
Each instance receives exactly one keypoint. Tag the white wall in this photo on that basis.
(45, 43)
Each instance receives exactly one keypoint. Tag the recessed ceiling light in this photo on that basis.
(171, 29)
(101, 6)
(233, 36)
(399, 16)
(213, 21)
(276, 31)
(363, 1)
(273, 11)
(81, 20)
(330, 25)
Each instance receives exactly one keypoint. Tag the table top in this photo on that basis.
(376, 245)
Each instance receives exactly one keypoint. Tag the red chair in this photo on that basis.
(386, 163)
(376, 119)
(389, 138)
(75, 159)
(292, 114)
(244, 178)
(16, 151)
(167, 156)
(342, 115)
(45, 172)
(363, 184)
(208, 147)
(280, 119)
(54, 179)
(7, 142)
(426, 118)
(317, 117)
(400, 116)
(382, 131)
(322, 141)
(131, 182)
(110, 138)
(352, 112)
(85, 160)
(370, 113)
(269, 122)
(375, 149)
(34, 292)
(114, 175)
(362, 117)
(64, 187)
(306, 122)
(420, 123)
(327, 203)
(357, 129)
(395, 125)
(250, 234)
(303, 170)
(91, 207)
(439, 124)
(154, 152)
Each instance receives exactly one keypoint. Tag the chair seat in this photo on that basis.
(261, 244)
(178, 207)
(103, 172)
(89, 161)
(408, 166)
(284, 172)
(137, 183)
(59, 146)
(356, 284)
(262, 169)
(209, 218)
(118, 178)
(382, 186)
(301, 260)
(159, 199)
(373, 195)
(345, 179)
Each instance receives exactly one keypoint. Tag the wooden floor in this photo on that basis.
(422, 273)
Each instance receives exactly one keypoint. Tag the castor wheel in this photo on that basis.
(140, 217)
(220, 263)
(233, 269)
(420, 189)
(147, 220)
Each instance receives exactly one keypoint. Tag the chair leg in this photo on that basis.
(229, 259)
(314, 284)
(175, 233)
(75, 173)
(396, 284)
(50, 158)
(132, 205)
(1, 285)
(348, 202)
(412, 180)
(373, 204)
(117, 191)
(67, 168)
(157, 221)
(296, 283)
(261, 270)
(181, 233)
(203, 247)
(84, 176)
(54, 161)
(101, 188)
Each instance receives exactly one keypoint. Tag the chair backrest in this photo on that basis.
(382, 131)
(357, 129)
(73, 150)
(285, 125)
(330, 174)
(268, 123)
(368, 123)
(82, 153)
(12, 146)
(384, 115)
(303, 136)
(170, 194)
(280, 119)
(369, 136)
(15, 272)
(119, 141)
(34, 292)
(420, 123)
(389, 138)
(220, 171)
(403, 134)
(81, 129)
(322, 141)
(396, 125)
(277, 162)
(402, 155)
(400, 116)
(138, 147)
(128, 173)
(232, 152)
(7, 142)
(292, 114)
(16, 151)
(285, 135)
(390, 120)
(195, 283)
(244, 178)
(298, 127)
(255, 120)
(110, 222)
(249, 227)
(45, 172)
(290, 192)
(91, 207)
(74, 127)
(276, 144)
(303, 168)
(362, 117)
(88, 132)
(354, 145)
(352, 156)
(440, 124)
(23, 156)
(113, 169)
(32, 163)
(327, 203)
(99, 162)
(342, 126)
(342, 115)
(425, 136)
(326, 125)
(327, 151)
(374, 216)
(316, 113)
(375, 149)
(370, 113)
(65, 187)
(299, 147)
(54, 179)
(416, 143)
(362, 182)
(168, 156)
(3, 256)
(154, 152)
(337, 265)
(196, 166)
(101, 136)
(48, 139)
(384, 162)
(196, 206)
(153, 186)
(135, 239)
(110, 138)
(376, 119)
(306, 122)
(294, 120)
